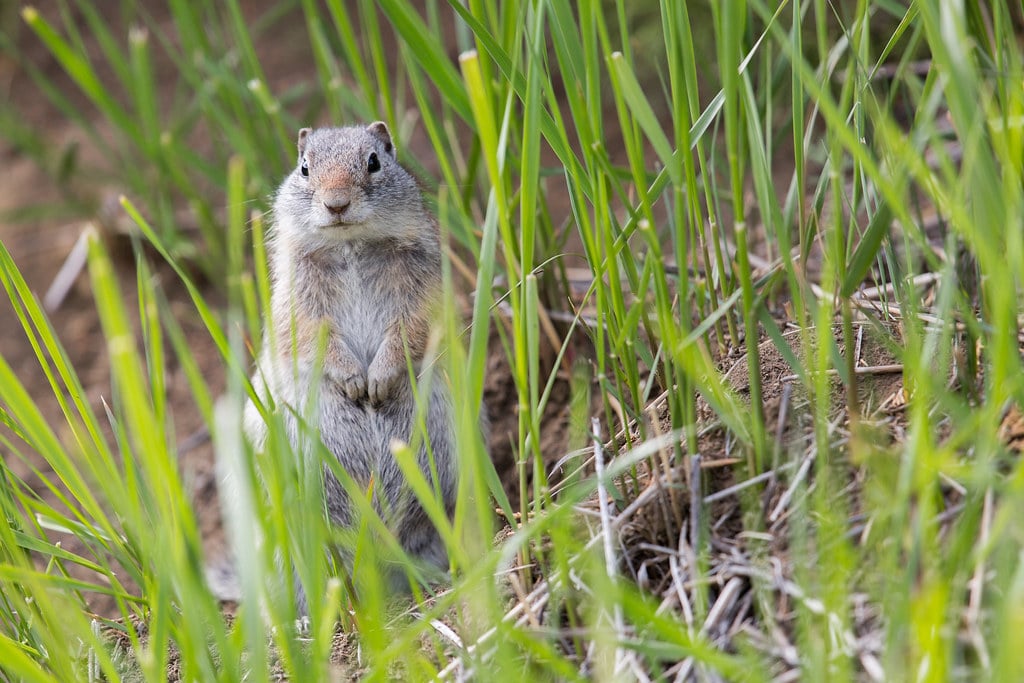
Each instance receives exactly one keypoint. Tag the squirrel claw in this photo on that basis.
(380, 387)
(377, 392)
(353, 386)
(355, 390)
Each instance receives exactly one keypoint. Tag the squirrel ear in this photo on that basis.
(379, 130)
(302, 139)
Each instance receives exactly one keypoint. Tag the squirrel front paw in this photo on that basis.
(343, 370)
(381, 381)
(352, 384)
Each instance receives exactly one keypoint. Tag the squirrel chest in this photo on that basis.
(354, 288)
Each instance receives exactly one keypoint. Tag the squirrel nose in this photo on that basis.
(337, 207)
(337, 202)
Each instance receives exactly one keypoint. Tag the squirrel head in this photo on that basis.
(349, 185)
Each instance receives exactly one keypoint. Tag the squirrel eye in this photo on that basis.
(305, 168)
(372, 163)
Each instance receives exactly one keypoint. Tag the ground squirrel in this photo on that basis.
(354, 248)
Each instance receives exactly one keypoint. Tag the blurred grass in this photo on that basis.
(678, 149)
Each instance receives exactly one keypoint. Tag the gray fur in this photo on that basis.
(358, 251)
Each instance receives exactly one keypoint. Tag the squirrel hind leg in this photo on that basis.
(222, 578)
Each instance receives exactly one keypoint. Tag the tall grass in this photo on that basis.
(695, 232)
